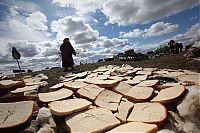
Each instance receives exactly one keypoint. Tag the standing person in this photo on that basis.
(66, 52)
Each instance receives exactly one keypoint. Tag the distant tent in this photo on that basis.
(161, 49)
(15, 53)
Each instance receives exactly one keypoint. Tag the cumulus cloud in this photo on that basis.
(160, 28)
(143, 11)
(75, 28)
(26, 48)
(31, 27)
(105, 42)
(102, 48)
(21, 25)
(82, 34)
(25, 6)
(193, 18)
(37, 21)
(134, 33)
(6, 59)
(114, 42)
(81, 6)
(34, 55)
(156, 29)
(190, 36)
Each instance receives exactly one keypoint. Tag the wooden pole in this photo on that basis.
(19, 67)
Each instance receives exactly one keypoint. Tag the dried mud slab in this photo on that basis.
(14, 114)
(93, 80)
(56, 86)
(24, 89)
(130, 72)
(148, 83)
(122, 88)
(103, 77)
(124, 109)
(161, 72)
(139, 93)
(101, 69)
(117, 78)
(152, 113)
(150, 69)
(166, 85)
(137, 79)
(174, 74)
(108, 99)
(69, 106)
(41, 83)
(32, 80)
(75, 85)
(55, 95)
(90, 92)
(93, 121)
(169, 95)
(107, 83)
(135, 127)
(82, 75)
(143, 72)
(9, 84)
(69, 79)
(190, 79)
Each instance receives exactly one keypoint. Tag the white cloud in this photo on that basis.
(156, 29)
(82, 6)
(143, 11)
(75, 28)
(21, 5)
(193, 18)
(13, 11)
(32, 27)
(6, 59)
(37, 21)
(114, 42)
(190, 36)
(25, 6)
(134, 33)
(160, 28)
(24, 28)
(26, 48)
(82, 34)
(34, 55)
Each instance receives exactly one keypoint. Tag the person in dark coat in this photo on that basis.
(66, 52)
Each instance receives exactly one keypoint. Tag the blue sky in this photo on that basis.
(96, 28)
